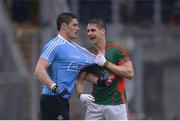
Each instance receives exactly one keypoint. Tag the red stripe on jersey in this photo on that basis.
(122, 49)
(121, 89)
(94, 52)
(120, 62)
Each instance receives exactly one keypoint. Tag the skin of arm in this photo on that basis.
(123, 70)
(41, 72)
(81, 78)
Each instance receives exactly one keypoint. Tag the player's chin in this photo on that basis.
(75, 36)
(92, 41)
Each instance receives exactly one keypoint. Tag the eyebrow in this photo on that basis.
(91, 29)
(75, 24)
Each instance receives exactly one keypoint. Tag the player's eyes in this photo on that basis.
(91, 30)
(75, 25)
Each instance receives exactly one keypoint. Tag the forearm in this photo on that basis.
(41, 73)
(85, 98)
(91, 78)
(121, 70)
(80, 82)
(43, 76)
(79, 87)
(82, 77)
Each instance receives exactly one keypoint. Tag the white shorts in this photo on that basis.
(106, 112)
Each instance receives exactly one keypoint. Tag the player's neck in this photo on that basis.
(101, 47)
(61, 33)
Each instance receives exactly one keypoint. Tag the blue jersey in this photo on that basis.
(66, 60)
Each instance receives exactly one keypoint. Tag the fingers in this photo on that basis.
(100, 60)
(88, 102)
(99, 57)
(91, 98)
(87, 99)
(108, 82)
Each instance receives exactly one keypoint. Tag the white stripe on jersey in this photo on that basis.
(51, 47)
(68, 42)
(47, 50)
(82, 49)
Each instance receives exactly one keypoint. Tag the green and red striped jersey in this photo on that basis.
(115, 93)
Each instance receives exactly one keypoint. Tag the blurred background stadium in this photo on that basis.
(149, 29)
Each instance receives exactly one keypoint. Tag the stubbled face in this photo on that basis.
(72, 29)
(94, 33)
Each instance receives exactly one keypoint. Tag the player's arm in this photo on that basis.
(80, 83)
(41, 72)
(124, 70)
(85, 98)
(84, 75)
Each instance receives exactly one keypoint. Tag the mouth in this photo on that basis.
(76, 33)
(92, 37)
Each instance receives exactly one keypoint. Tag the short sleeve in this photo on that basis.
(122, 55)
(48, 53)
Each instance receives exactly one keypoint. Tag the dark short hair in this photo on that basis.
(99, 22)
(64, 18)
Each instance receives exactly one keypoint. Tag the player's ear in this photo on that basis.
(103, 31)
(63, 25)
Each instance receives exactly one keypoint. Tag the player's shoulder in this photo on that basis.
(91, 47)
(52, 44)
(50, 41)
(115, 45)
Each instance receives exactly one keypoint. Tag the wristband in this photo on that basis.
(105, 64)
(53, 87)
(79, 94)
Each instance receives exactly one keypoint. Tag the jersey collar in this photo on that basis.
(61, 37)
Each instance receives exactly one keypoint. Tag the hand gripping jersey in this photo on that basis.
(115, 93)
(66, 60)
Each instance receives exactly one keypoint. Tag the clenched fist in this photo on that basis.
(101, 60)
